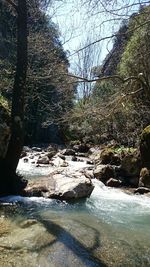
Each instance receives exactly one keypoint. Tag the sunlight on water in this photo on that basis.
(111, 228)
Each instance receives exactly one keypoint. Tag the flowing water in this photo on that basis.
(111, 228)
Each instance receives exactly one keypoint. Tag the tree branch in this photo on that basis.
(10, 2)
(109, 37)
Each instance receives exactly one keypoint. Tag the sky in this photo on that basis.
(78, 21)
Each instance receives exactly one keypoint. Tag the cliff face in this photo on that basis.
(109, 66)
(4, 128)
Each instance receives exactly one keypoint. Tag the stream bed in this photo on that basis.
(111, 228)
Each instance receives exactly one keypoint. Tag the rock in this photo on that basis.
(131, 165)
(144, 177)
(51, 154)
(81, 154)
(142, 190)
(23, 154)
(72, 188)
(145, 147)
(58, 162)
(90, 162)
(25, 160)
(64, 164)
(80, 160)
(61, 156)
(132, 181)
(114, 182)
(37, 149)
(61, 187)
(108, 156)
(74, 158)
(81, 148)
(28, 223)
(104, 172)
(27, 149)
(43, 160)
(31, 157)
(68, 152)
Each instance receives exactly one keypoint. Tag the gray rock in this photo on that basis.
(112, 182)
(74, 158)
(37, 149)
(62, 156)
(25, 159)
(61, 187)
(131, 165)
(104, 172)
(68, 152)
(72, 188)
(43, 160)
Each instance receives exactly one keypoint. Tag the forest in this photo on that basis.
(75, 130)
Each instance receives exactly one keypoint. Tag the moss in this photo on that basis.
(145, 147)
(145, 134)
(4, 111)
(108, 156)
(4, 104)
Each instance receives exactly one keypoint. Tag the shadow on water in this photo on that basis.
(63, 236)
(83, 253)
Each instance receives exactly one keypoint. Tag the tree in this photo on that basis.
(17, 113)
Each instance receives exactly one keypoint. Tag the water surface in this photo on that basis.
(111, 228)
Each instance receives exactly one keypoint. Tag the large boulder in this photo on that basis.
(131, 164)
(61, 187)
(108, 156)
(145, 147)
(72, 188)
(104, 173)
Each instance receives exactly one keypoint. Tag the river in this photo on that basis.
(111, 228)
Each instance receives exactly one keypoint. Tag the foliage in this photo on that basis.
(49, 91)
(114, 109)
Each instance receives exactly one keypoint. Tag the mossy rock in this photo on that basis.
(144, 177)
(145, 147)
(108, 156)
(131, 164)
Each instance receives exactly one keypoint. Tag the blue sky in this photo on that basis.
(76, 23)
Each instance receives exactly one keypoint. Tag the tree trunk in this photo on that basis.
(17, 113)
